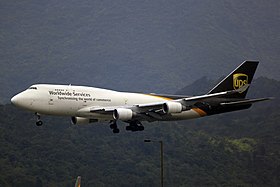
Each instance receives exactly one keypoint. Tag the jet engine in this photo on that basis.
(123, 114)
(172, 107)
(81, 121)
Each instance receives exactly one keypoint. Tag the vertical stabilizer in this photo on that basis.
(239, 77)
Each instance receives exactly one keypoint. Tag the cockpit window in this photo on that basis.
(32, 88)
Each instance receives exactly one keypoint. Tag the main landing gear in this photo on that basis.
(114, 127)
(135, 126)
(39, 122)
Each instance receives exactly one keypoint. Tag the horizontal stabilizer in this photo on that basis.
(249, 101)
(220, 94)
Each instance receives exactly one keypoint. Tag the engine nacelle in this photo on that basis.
(81, 121)
(172, 107)
(123, 114)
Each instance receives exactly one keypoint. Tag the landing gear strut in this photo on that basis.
(135, 126)
(114, 127)
(39, 122)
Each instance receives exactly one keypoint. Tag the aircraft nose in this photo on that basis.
(22, 100)
(15, 100)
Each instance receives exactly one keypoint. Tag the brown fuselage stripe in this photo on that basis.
(200, 112)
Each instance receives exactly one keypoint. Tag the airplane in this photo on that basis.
(88, 104)
(78, 182)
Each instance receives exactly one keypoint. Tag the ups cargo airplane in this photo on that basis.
(88, 104)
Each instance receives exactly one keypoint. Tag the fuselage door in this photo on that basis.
(84, 103)
(51, 100)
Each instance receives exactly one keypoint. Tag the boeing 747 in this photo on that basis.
(88, 104)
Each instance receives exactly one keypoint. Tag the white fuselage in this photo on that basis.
(71, 100)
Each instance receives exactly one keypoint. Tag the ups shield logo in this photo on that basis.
(239, 80)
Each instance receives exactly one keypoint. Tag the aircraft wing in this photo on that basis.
(155, 111)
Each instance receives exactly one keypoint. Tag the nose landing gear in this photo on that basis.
(39, 122)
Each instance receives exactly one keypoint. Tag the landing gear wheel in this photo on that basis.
(114, 126)
(135, 126)
(141, 128)
(39, 123)
(116, 131)
(128, 128)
